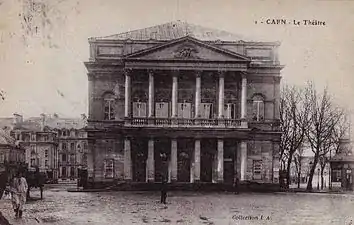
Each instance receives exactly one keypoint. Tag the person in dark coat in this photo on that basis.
(236, 185)
(163, 191)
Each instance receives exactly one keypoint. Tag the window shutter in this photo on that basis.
(161, 109)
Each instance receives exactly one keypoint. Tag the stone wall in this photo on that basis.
(108, 149)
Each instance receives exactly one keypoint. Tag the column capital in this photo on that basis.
(175, 72)
(244, 74)
(221, 73)
(151, 71)
(198, 73)
(127, 71)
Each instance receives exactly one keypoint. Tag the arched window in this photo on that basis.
(258, 107)
(109, 109)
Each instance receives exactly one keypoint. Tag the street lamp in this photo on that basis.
(318, 179)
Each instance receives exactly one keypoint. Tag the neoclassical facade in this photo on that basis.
(185, 103)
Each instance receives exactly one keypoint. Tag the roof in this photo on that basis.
(175, 30)
(34, 123)
(6, 122)
(5, 138)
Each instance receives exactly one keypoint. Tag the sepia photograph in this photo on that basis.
(176, 112)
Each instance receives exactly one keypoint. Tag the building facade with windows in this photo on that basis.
(40, 143)
(182, 102)
(342, 167)
(57, 146)
(72, 145)
(12, 155)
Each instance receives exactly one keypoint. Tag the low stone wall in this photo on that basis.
(204, 187)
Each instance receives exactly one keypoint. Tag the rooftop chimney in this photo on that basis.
(43, 121)
(18, 119)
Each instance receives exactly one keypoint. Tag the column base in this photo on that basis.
(151, 121)
(244, 124)
(128, 180)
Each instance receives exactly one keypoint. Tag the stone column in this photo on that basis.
(174, 93)
(151, 94)
(151, 161)
(220, 163)
(221, 94)
(174, 160)
(244, 97)
(197, 93)
(243, 170)
(196, 176)
(127, 160)
(127, 96)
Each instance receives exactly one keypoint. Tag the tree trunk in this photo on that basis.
(298, 179)
(322, 179)
(312, 171)
(288, 171)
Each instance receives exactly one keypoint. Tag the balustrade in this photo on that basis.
(183, 122)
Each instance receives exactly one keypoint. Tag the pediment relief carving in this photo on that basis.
(187, 49)
(186, 52)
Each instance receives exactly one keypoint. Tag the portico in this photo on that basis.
(188, 108)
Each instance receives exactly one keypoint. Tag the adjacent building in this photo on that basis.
(72, 147)
(40, 143)
(12, 155)
(57, 146)
(342, 166)
(183, 102)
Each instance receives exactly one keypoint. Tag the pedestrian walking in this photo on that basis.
(19, 192)
(163, 191)
(236, 185)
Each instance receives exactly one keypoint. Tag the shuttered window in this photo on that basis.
(139, 109)
(206, 110)
(257, 169)
(184, 110)
(161, 109)
(230, 111)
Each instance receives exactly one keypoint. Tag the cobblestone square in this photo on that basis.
(62, 207)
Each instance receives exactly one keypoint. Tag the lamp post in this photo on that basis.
(318, 179)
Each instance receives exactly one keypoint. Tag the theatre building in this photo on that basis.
(184, 103)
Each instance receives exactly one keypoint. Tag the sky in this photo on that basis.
(45, 72)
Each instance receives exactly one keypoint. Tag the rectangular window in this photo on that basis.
(72, 158)
(46, 153)
(139, 109)
(63, 146)
(184, 110)
(85, 145)
(109, 168)
(46, 163)
(72, 172)
(33, 137)
(161, 110)
(33, 162)
(336, 175)
(109, 109)
(257, 169)
(72, 146)
(230, 111)
(63, 157)
(63, 172)
(206, 110)
(33, 149)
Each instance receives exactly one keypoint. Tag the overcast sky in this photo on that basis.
(34, 68)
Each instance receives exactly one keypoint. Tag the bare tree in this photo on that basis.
(294, 122)
(2, 95)
(298, 156)
(325, 117)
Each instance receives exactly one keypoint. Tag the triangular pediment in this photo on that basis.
(189, 49)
